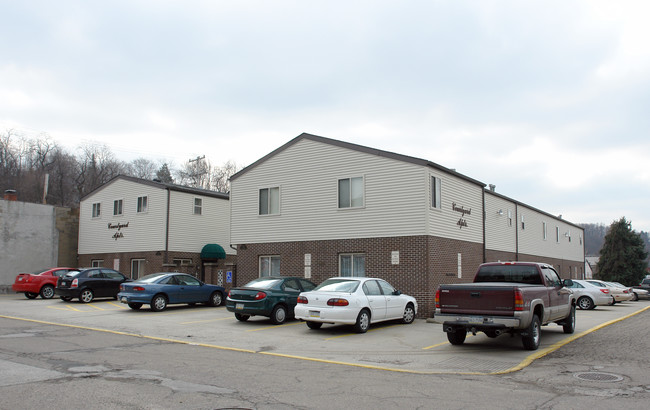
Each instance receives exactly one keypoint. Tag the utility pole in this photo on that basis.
(198, 172)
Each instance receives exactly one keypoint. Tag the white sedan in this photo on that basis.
(354, 301)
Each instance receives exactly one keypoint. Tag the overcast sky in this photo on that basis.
(548, 100)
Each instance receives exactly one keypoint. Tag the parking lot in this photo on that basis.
(421, 347)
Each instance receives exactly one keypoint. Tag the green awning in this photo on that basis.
(213, 251)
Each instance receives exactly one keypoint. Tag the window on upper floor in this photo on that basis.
(143, 204)
(436, 190)
(117, 207)
(557, 234)
(269, 201)
(97, 210)
(351, 192)
(544, 230)
(523, 224)
(509, 218)
(198, 206)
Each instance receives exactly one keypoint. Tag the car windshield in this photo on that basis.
(262, 283)
(338, 285)
(150, 278)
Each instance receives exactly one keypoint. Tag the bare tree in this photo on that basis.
(96, 166)
(142, 168)
(196, 173)
(221, 176)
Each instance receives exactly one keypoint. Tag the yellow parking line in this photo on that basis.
(117, 305)
(73, 308)
(432, 346)
(208, 320)
(96, 307)
(273, 327)
(62, 308)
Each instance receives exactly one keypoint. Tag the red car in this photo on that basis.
(39, 283)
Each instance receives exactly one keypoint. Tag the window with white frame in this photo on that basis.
(117, 207)
(435, 192)
(509, 218)
(523, 225)
(269, 201)
(96, 263)
(143, 204)
(198, 206)
(137, 268)
(97, 210)
(557, 234)
(352, 264)
(270, 265)
(544, 231)
(182, 261)
(351, 192)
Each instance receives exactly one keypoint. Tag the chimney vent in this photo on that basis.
(11, 195)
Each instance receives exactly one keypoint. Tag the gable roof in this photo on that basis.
(163, 185)
(359, 148)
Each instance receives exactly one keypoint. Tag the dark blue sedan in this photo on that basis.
(165, 288)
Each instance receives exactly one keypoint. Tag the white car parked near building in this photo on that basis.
(354, 301)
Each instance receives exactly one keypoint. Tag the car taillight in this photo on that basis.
(626, 291)
(260, 296)
(337, 302)
(138, 288)
(75, 283)
(438, 298)
(229, 293)
(519, 301)
(302, 299)
(605, 291)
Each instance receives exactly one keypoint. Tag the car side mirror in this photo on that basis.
(397, 293)
(567, 283)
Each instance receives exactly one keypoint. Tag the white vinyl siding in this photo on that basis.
(147, 231)
(532, 242)
(499, 234)
(395, 201)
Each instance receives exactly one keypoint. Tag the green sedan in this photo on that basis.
(270, 296)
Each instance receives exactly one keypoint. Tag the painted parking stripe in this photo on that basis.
(524, 363)
(207, 320)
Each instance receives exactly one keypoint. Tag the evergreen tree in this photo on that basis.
(164, 175)
(622, 257)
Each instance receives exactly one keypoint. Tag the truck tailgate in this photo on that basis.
(483, 299)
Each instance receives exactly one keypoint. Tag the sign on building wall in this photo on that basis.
(394, 257)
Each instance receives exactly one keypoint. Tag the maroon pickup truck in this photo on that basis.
(506, 297)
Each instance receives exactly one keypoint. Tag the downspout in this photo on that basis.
(166, 257)
(484, 217)
(516, 231)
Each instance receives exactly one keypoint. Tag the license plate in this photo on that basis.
(239, 306)
(476, 320)
(314, 313)
(63, 283)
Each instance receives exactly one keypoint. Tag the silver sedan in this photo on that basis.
(588, 295)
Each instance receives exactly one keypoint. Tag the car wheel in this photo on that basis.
(216, 299)
(457, 337)
(363, 321)
(279, 315)
(86, 296)
(241, 318)
(158, 303)
(65, 298)
(569, 325)
(135, 305)
(533, 334)
(30, 295)
(47, 292)
(585, 303)
(314, 325)
(409, 314)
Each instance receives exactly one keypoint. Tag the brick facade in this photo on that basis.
(424, 262)
(214, 271)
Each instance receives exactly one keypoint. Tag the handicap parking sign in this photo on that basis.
(229, 276)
